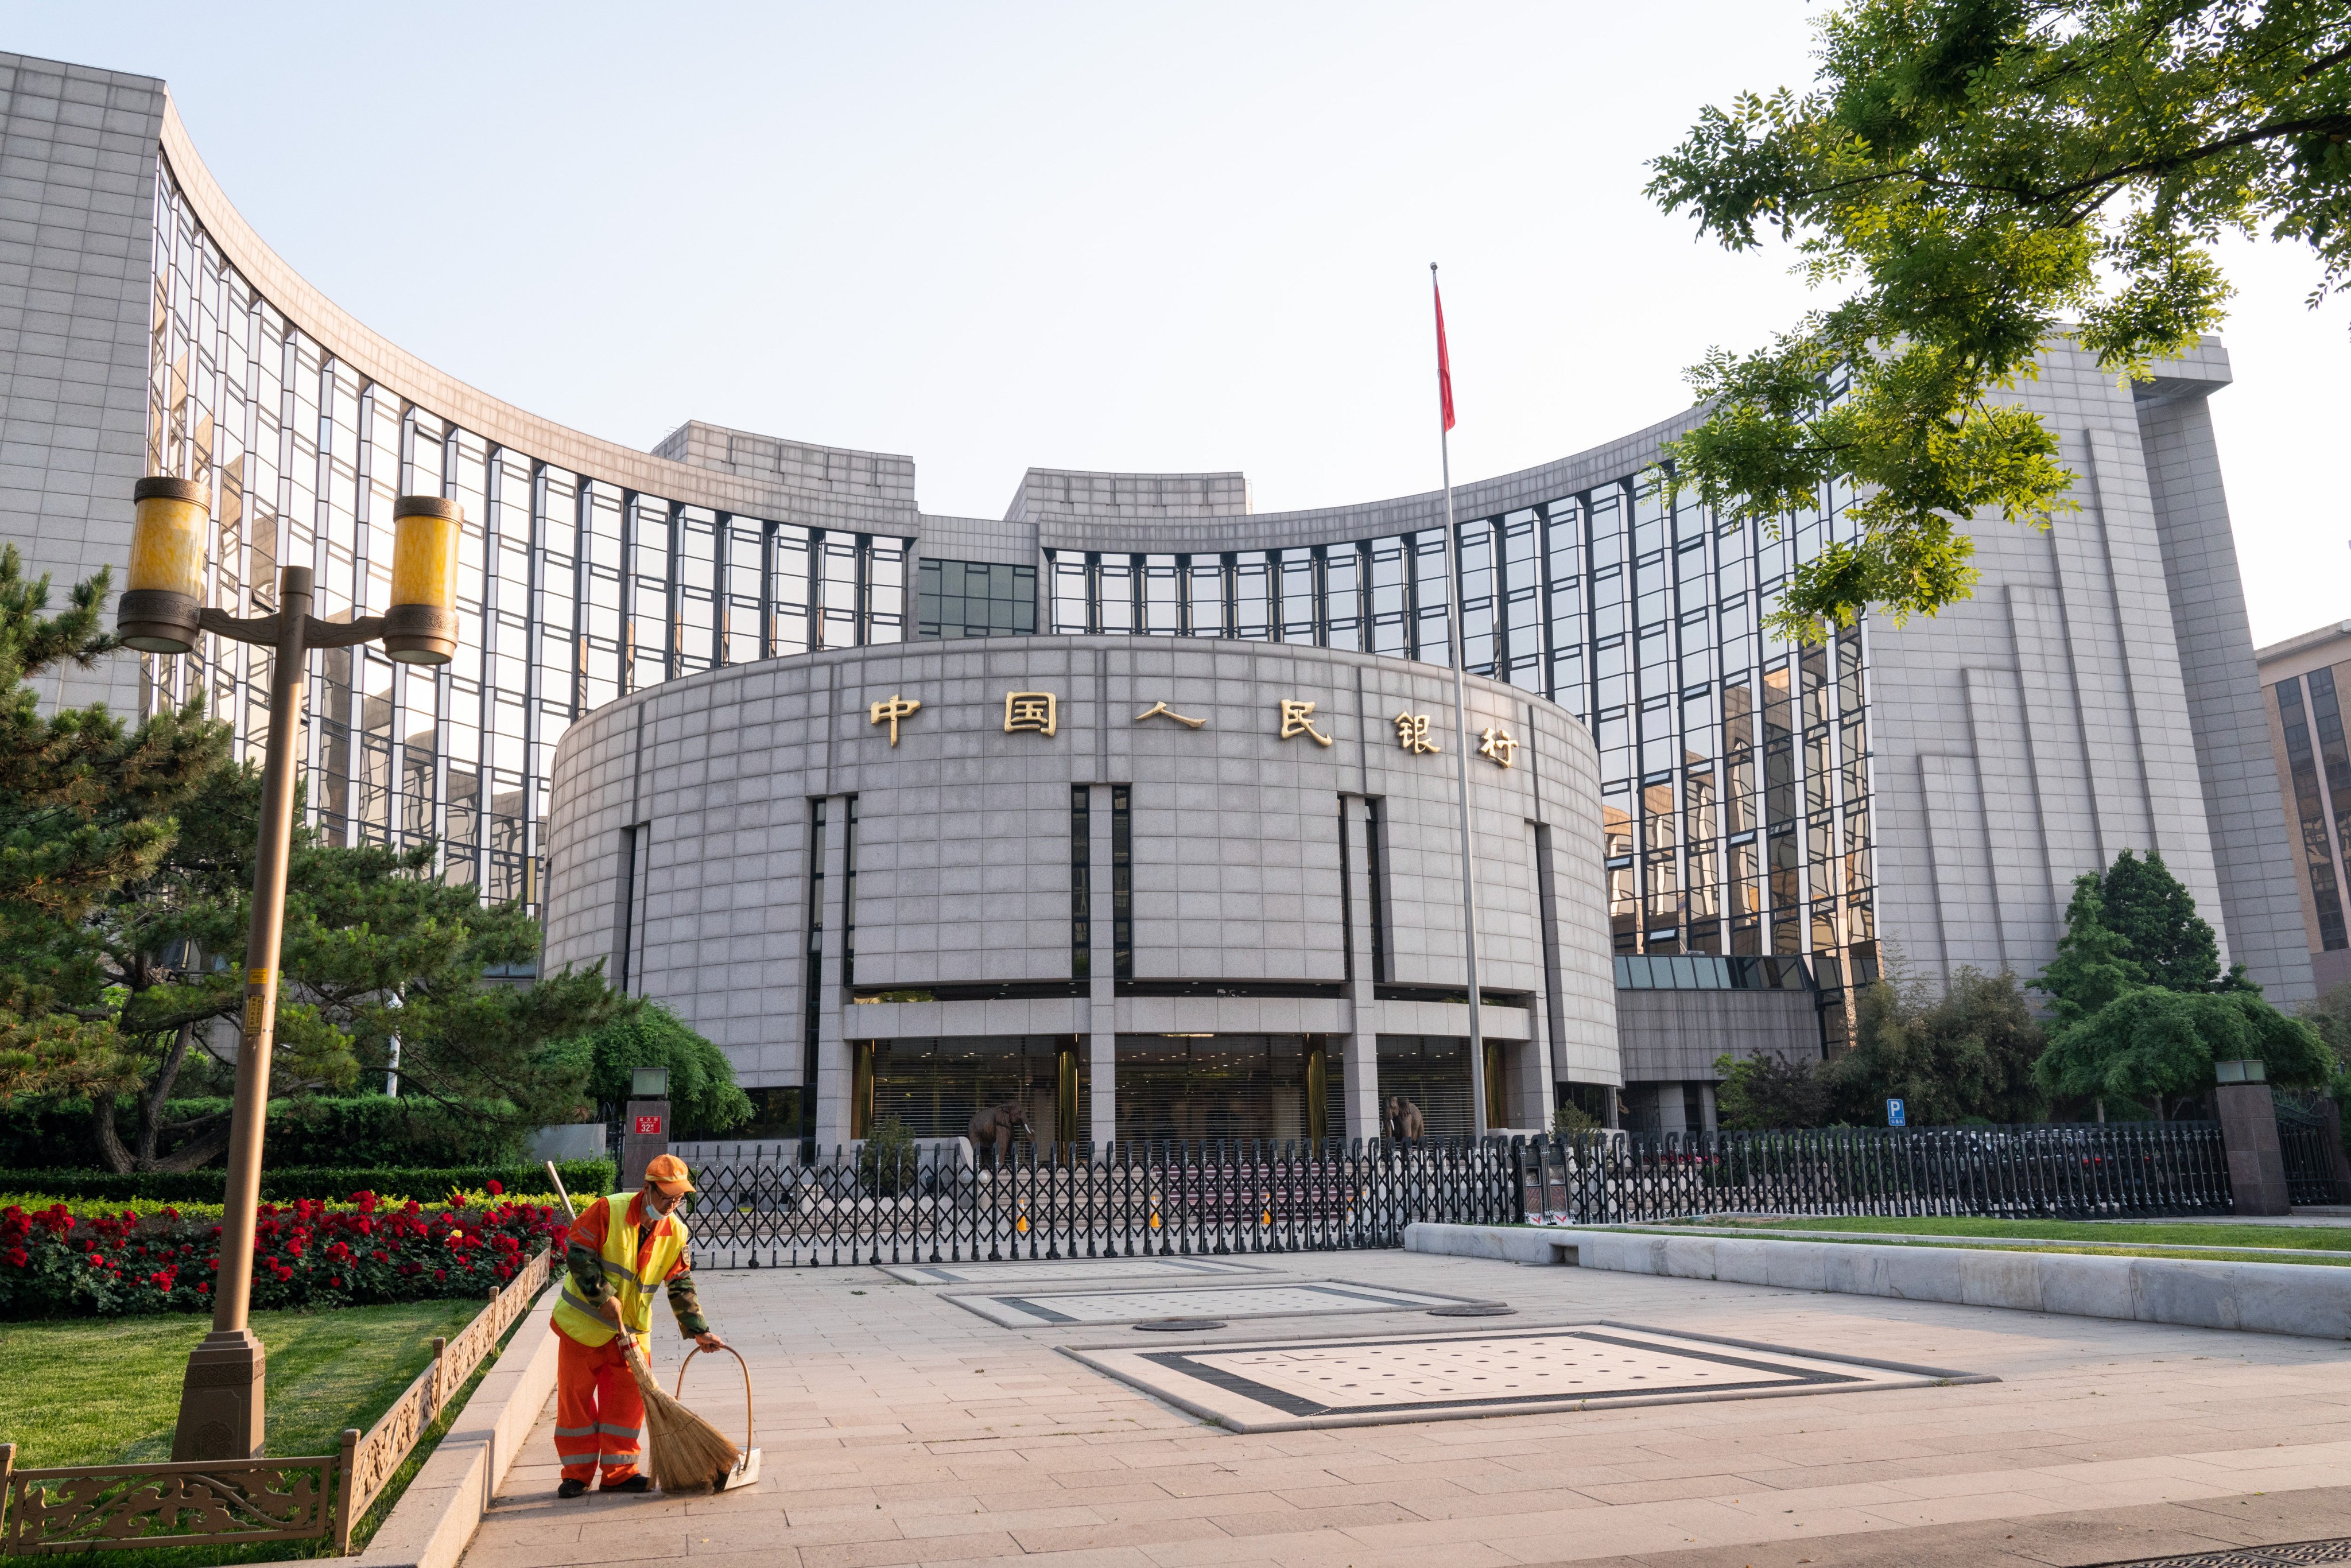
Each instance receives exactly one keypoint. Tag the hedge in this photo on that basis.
(317, 1129)
(54, 1264)
(583, 1179)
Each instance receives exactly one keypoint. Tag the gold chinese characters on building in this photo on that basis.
(1161, 710)
(1499, 744)
(1030, 713)
(1297, 718)
(1412, 733)
(891, 712)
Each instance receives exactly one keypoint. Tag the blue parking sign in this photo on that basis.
(1894, 1114)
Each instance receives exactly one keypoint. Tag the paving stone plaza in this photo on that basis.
(900, 1428)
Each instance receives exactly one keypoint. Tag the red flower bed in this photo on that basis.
(305, 1255)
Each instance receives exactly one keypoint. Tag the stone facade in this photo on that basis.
(683, 831)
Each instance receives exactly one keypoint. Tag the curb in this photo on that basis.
(435, 1518)
(2261, 1297)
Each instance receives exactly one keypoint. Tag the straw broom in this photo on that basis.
(686, 1452)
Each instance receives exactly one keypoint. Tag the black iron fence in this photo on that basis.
(2085, 1170)
(2310, 1137)
(935, 1205)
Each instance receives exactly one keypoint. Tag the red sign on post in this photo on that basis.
(649, 1126)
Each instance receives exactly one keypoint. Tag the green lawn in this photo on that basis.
(2151, 1232)
(104, 1391)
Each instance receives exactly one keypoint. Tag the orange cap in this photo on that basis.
(669, 1172)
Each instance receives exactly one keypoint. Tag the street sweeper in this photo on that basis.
(615, 1258)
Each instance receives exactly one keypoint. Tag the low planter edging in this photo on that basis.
(435, 1518)
(2264, 1297)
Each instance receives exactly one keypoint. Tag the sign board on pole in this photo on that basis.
(649, 1126)
(1894, 1117)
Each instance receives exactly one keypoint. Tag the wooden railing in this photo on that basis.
(93, 1507)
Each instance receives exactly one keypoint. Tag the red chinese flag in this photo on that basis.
(1444, 362)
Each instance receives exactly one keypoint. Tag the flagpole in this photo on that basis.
(1461, 718)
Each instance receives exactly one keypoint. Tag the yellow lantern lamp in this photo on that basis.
(163, 594)
(420, 628)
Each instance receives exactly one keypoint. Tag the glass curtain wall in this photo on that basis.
(1735, 767)
(572, 592)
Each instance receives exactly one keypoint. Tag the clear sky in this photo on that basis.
(1168, 238)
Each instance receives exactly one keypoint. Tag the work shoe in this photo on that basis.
(570, 1488)
(634, 1483)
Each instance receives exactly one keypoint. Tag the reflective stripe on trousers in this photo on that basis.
(599, 1410)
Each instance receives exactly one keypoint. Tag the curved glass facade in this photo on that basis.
(1736, 777)
(1735, 768)
(572, 591)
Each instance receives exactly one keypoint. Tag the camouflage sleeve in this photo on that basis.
(684, 1303)
(587, 1271)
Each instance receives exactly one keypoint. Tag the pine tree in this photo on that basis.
(2094, 963)
(2145, 905)
(87, 807)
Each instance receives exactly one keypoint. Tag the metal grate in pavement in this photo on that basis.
(2299, 1553)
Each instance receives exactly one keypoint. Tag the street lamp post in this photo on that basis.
(162, 612)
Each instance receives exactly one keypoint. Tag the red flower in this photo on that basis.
(334, 1283)
(439, 1275)
(204, 1285)
(18, 1256)
(497, 1188)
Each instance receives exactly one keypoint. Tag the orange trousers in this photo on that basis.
(597, 1410)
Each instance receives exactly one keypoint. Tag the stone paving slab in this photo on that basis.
(900, 1429)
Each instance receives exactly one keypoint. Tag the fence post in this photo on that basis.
(7, 1470)
(347, 1516)
(2249, 1131)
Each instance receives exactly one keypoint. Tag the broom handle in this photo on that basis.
(553, 1176)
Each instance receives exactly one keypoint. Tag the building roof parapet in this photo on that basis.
(882, 476)
(1370, 520)
(2339, 632)
(1070, 492)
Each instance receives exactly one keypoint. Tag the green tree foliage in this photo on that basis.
(2329, 1013)
(375, 946)
(1978, 176)
(2141, 1008)
(2094, 963)
(2157, 1045)
(1966, 1055)
(86, 808)
(703, 1095)
(2145, 906)
(1767, 1089)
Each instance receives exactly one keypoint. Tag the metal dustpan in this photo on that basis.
(746, 1472)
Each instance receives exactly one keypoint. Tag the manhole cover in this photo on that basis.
(1178, 1325)
(1474, 1309)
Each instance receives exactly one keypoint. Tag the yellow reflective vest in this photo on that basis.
(578, 1317)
